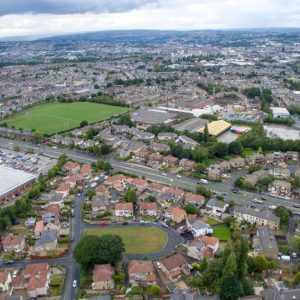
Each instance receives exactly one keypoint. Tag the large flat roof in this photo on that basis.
(215, 128)
(11, 179)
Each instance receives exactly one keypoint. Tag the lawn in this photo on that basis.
(222, 233)
(137, 240)
(211, 222)
(52, 118)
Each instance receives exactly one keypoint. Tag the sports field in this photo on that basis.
(137, 240)
(52, 118)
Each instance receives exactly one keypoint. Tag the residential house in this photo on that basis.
(187, 142)
(214, 172)
(155, 188)
(284, 294)
(102, 191)
(202, 247)
(71, 167)
(191, 198)
(5, 281)
(13, 243)
(255, 177)
(167, 136)
(187, 165)
(63, 190)
(171, 161)
(280, 188)
(37, 278)
(293, 155)
(256, 159)
(47, 241)
(102, 277)
(55, 198)
(170, 194)
(265, 243)
(123, 209)
(137, 183)
(275, 158)
(217, 207)
(198, 227)
(38, 229)
(141, 272)
(50, 217)
(187, 294)
(142, 155)
(260, 216)
(159, 147)
(176, 214)
(281, 173)
(148, 209)
(155, 159)
(53, 208)
(238, 162)
(86, 171)
(175, 266)
(119, 178)
(99, 205)
(120, 129)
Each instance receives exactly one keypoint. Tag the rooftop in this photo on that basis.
(215, 128)
(11, 179)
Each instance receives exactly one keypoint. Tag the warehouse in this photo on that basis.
(280, 113)
(191, 125)
(216, 128)
(13, 182)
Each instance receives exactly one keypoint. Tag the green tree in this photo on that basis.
(130, 196)
(260, 263)
(297, 279)
(91, 194)
(205, 134)
(235, 148)
(191, 209)
(38, 137)
(204, 191)
(283, 214)
(221, 149)
(125, 119)
(83, 123)
(93, 250)
(154, 290)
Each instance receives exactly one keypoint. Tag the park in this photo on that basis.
(52, 118)
(137, 240)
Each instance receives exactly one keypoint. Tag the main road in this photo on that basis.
(168, 178)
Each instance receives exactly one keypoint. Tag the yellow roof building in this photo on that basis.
(216, 128)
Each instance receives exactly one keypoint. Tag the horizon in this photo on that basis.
(21, 18)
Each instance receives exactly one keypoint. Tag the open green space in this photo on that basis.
(137, 240)
(52, 118)
(222, 233)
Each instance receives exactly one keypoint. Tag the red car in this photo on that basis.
(104, 223)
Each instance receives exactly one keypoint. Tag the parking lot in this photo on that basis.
(27, 162)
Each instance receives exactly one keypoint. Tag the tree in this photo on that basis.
(235, 148)
(220, 149)
(202, 190)
(91, 194)
(93, 250)
(283, 214)
(260, 263)
(130, 196)
(125, 119)
(191, 209)
(83, 123)
(154, 290)
(37, 137)
(297, 279)
(205, 134)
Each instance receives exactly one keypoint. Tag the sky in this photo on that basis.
(49, 17)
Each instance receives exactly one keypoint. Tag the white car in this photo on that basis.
(158, 265)
(164, 174)
(179, 176)
(74, 283)
(15, 273)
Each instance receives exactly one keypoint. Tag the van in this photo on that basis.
(203, 181)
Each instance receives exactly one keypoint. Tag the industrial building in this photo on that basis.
(191, 125)
(280, 113)
(13, 182)
(216, 128)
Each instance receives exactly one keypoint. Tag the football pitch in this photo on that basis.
(52, 118)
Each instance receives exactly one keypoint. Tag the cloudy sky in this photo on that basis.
(45, 17)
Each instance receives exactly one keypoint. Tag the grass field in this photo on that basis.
(222, 233)
(52, 118)
(137, 240)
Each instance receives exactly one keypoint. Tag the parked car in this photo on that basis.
(104, 223)
(125, 223)
(8, 262)
(74, 283)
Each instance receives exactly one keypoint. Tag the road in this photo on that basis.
(184, 182)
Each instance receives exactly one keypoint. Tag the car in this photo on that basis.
(8, 262)
(235, 191)
(224, 194)
(79, 194)
(164, 225)
(72, 239)
(86, 186)
(142, 222)
(263, 198)
(73, 205)
(93, 184)
(294, 254)
(54, 147)
(164, 174)
(158, 265)
(179, 176)
(125, 223)
(15, 273)
(74, 283)
(296, 205)
(171, 179)
(103, 223)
